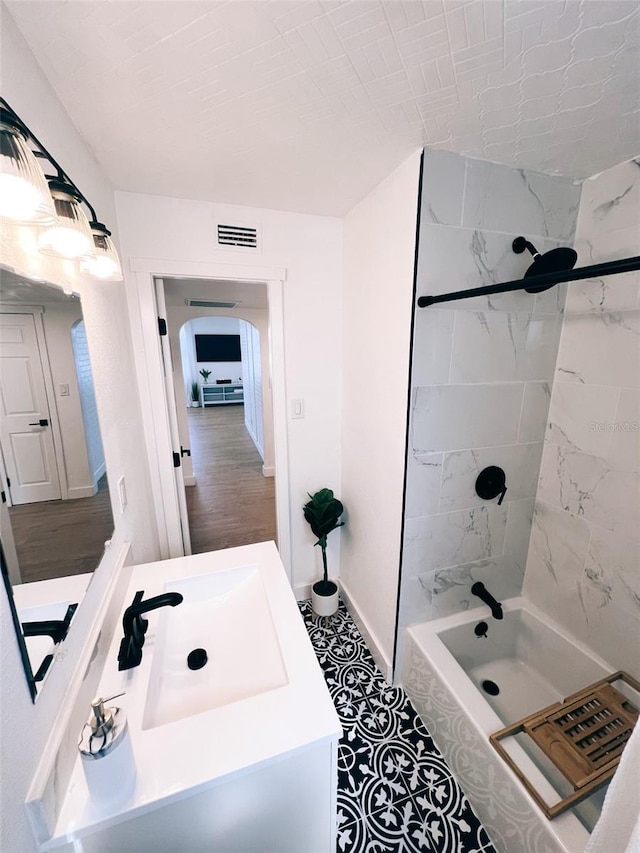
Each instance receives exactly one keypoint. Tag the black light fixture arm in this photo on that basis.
(593, 271)
(41, 152)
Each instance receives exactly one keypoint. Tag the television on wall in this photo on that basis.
(218, 348)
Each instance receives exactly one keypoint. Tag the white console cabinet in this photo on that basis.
(217, 395)
(224, 764)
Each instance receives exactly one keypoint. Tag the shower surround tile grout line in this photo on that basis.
(396, 793)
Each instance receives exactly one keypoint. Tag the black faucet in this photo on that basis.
(481, 591)
(55, 628)
(135, 626)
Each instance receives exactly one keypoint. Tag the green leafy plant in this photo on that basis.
(195, 392)
(205, 374)
(322, 512)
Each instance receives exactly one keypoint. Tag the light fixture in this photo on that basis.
(24, 195)
(50, 202)
(105, 264)
(70, 237)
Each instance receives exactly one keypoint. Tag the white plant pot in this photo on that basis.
(325, 601)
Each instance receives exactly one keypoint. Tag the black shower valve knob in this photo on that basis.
(491, 482)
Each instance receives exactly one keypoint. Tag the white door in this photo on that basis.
(167, 364)
(25, 433)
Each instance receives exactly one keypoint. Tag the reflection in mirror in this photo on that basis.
(56, 511)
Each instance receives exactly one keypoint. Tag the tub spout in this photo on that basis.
(483, 594)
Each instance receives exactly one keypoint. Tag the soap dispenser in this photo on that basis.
(107, 755)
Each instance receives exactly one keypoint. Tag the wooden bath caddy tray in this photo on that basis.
(583, 736)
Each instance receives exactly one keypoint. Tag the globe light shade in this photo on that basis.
(24, 195)
(71, 236)
(106, 264)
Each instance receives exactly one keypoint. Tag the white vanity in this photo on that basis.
(239, 755)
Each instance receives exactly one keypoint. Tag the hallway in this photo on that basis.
(232, 503)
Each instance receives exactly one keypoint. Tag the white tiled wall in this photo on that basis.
(584, 558)
(481, 377)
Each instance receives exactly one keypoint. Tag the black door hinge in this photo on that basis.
(4, 497)
(176, 459)
(8, 483)
(162, 326)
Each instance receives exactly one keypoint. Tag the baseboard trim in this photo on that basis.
(384, 664)
(302, 591)
(270, 471)
(190, 480)
(82, 492)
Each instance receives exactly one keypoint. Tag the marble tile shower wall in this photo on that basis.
(481, 380)
(584, 559)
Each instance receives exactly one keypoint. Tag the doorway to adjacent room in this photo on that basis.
(217, 333)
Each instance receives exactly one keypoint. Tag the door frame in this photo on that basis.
(36, 311)
(172, 405)
(153, 392)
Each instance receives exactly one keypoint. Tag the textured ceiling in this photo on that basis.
(305, 105)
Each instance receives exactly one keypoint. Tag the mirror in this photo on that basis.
(55, 515)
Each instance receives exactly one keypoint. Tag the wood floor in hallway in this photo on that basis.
(232, 503)
(58, 538)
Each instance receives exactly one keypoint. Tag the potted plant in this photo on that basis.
(205, 375)
(195, 395)
(322, 512)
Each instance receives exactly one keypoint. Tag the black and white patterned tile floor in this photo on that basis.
(395, 791)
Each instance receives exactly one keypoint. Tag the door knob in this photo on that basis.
(41, 422)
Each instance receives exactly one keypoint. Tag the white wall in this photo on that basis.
(310, 247)
(58, 320)
(379, 247)
(88, 404)
(220, 369)
(25, 727)
(582, 566)
(253, 384)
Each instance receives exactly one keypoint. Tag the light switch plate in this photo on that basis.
(122, 494)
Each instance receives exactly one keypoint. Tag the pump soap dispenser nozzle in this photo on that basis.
(107, 756)
(102, 720)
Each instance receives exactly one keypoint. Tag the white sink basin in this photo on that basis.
(227, 614)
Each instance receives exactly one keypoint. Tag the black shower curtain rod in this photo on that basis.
(547, 279)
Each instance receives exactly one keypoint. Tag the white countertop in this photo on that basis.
(188, 755)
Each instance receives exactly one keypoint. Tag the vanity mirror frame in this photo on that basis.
(22, 646)
(35, 305)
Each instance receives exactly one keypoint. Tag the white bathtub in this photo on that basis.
(535, 663)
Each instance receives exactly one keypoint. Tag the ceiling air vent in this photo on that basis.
(209, 303)
(238, 236)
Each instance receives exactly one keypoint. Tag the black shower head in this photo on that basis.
(556, 260)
